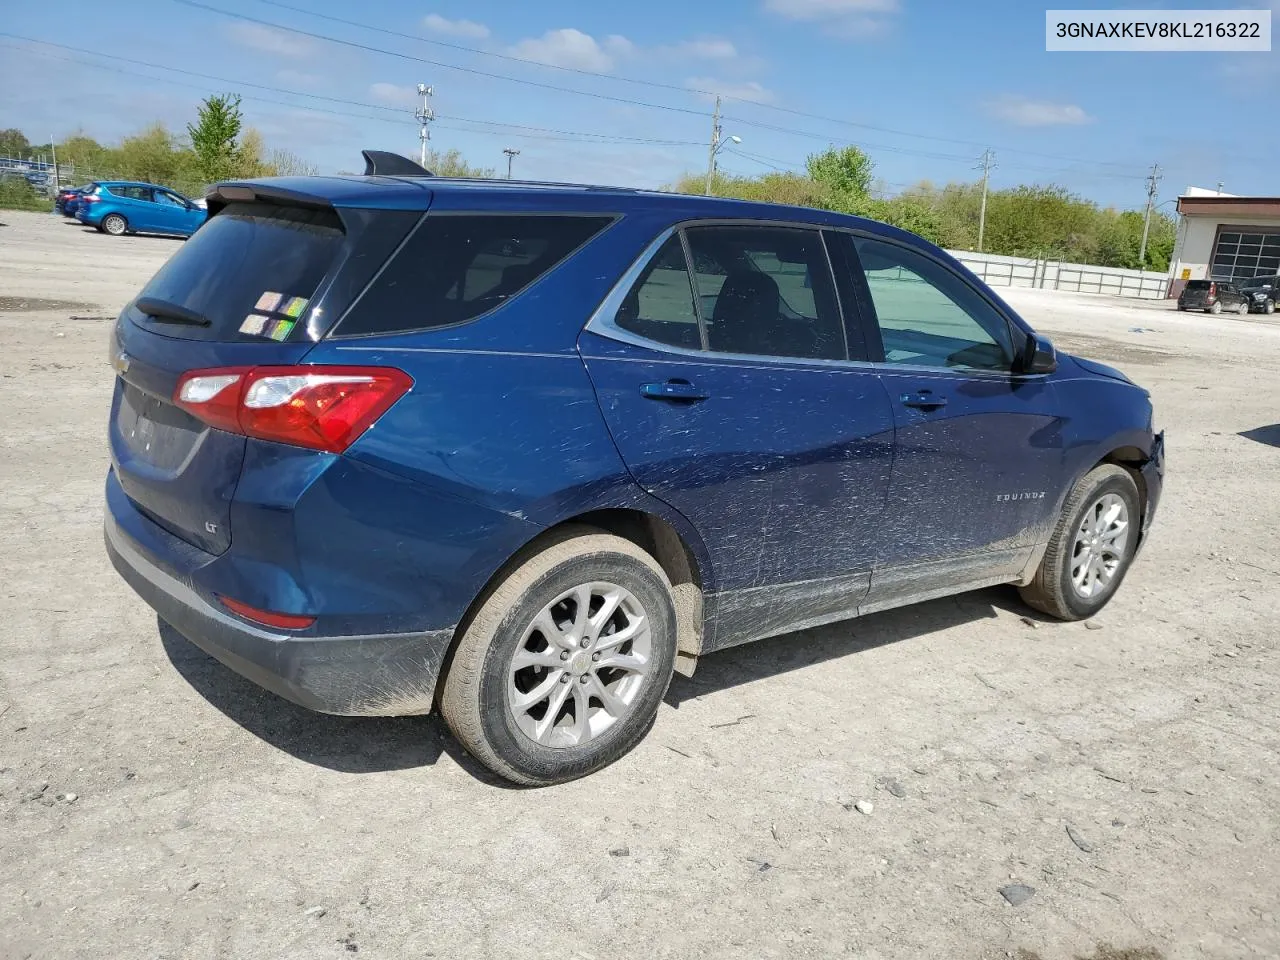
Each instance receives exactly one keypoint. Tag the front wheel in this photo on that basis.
(1269, 307)
(561, 670)
(1091, 547)
(114, 224)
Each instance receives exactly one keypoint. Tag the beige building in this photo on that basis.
(1224, 237)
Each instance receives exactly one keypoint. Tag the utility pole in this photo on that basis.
(986, 163)
(715, 145)
(54, 147)
(424, 116)
(511, 155)
(1152, 181)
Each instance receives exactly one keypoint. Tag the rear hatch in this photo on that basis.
(256, 285)
(1197, 292)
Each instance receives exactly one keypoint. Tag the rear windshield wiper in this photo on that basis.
(167, 312)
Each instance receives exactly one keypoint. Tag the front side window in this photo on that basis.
(766, 291)
(455, 268)
(928, 315)
(169, 199)
(660, 306)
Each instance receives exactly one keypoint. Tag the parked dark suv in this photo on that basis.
(1262, 293)
(518, 451)
(1212, 296)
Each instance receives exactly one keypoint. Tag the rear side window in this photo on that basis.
(251, 271)
(455, 268)
(660, 305)
(131, 192)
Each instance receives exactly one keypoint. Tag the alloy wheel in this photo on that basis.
(580, 665)
(1100, 545)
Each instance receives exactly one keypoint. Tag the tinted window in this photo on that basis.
(131, 192)
(251, 270)
(766, 291)
(660, 305)
(928, 315)
(1198, 284)
(454, 268)
(164, 196)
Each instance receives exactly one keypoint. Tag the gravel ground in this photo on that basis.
(865, 789)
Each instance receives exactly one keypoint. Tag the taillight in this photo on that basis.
(1213, 289)
(322, 408)
(91, 198)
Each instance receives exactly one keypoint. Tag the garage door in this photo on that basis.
(1244, 252)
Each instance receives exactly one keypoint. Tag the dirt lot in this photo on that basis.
(212, 820)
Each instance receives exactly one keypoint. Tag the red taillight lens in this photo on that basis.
(1213, 289)
(322, 408)
(90, 198)
(284, 621)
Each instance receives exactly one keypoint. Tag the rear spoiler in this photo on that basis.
(380, 163)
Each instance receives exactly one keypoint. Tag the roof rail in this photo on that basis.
(382, 163)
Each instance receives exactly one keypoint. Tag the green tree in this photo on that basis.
(844, 175)
(451, 163)
(13, 143)
(215, 137)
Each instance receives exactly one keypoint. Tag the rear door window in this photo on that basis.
(251, 271)
(131, 192)
(455, 268)
(660, 305)
(766, 291)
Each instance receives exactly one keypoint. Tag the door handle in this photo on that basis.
(677, 391)
(924, 400)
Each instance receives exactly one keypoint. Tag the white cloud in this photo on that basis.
(568, 47)
(455, 28)
(280, 43)
(1024, 112)
(846, 18)
(710, 48)
(393, 94)
(748, 90)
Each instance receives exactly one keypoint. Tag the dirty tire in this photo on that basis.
(1051, 591)
(1243, 308)
(114, 224)
(474, 694)
(1270, 307)
(1216, 308)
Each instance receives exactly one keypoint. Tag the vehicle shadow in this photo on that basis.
(1270, 435)
(379, 744)
(794, 651)
(346, 744)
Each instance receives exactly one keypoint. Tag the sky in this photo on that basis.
(622, 93)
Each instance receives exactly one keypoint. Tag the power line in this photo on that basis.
(197, 4)
(532, 132)
(656, 84)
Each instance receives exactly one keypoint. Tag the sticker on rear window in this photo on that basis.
(254, 324)
(269, 302)
(281, 329)
(294, 307)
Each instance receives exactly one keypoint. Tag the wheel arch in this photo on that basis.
(1130, 459)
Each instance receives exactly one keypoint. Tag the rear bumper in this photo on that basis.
(378, 675)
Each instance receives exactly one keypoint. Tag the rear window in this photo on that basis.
(251, 271)
(1198, 284)
(456, 267)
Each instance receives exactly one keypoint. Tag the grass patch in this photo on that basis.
(17, 194)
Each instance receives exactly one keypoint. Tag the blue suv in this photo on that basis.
(118, 207)
(516, 451)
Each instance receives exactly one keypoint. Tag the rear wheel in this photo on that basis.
(1091, 547)
(114, 224)
(1243, 308)
(561, 670)
(1216, 308)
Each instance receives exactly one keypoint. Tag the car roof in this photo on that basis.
(511, 196)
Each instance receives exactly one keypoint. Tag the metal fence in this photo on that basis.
(1001, 271)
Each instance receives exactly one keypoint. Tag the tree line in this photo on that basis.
(1047, 222)
(1025, 221)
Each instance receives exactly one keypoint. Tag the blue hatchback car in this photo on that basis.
(518, 451)
(118, 207)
